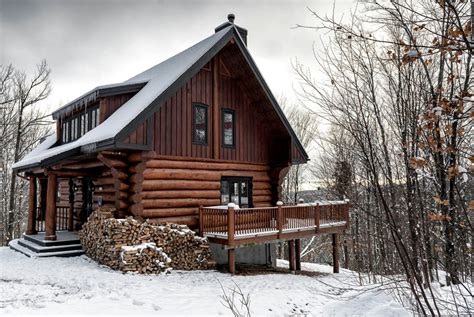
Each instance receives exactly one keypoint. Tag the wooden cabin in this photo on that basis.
(200, 129)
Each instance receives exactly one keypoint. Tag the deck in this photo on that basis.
(234, 227)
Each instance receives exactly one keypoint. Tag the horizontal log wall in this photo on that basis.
(166, 190)
(104, 187)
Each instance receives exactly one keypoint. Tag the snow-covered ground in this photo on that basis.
(78, 286)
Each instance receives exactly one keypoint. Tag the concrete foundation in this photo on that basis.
(264, 254)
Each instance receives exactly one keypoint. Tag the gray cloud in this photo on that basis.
(89, 43)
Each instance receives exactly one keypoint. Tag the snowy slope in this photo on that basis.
(58, 286)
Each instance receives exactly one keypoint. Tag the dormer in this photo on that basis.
(85, 113)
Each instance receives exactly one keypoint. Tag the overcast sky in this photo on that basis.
(89, 43)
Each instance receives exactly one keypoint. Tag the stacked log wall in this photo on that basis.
(170, 190)
(104, 189)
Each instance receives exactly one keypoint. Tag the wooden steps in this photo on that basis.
(67, 244)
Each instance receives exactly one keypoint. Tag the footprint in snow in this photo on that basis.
(156, 307)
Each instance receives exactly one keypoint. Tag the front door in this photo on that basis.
(87, 190)
(237, 190)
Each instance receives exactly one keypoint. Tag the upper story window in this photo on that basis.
(200, 120)
(78, 125)
(228, 128)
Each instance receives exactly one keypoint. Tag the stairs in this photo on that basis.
(67, 244)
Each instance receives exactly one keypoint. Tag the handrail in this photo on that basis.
(230, 223)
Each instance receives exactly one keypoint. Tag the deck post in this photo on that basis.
(291, 249)
(70, 218)
(279, 218)
(298, 254)
(231, 236)
(346, 213)
(335, 252)
(32, 206)
(201, 222)
(317, 217)
(51, 208)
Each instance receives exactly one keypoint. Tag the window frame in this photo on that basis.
(206, 123)
(238, 179)
(232, 112)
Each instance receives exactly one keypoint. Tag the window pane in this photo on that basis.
(200, 124)
(234, 193)
(224, 192)
(244, 195)
(97, 116)
(92, 119)
(83, 130)
(228, 128)
(86, 122)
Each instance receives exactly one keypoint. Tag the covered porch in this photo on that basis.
(235, 227)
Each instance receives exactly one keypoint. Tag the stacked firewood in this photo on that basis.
(139, 246)
(144, 258)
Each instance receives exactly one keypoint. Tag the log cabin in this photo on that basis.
(198, 130)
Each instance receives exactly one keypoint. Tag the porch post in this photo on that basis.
(70, 223)
(32, 204)
(291, 249)
(51, 208)
(230, 237)
(298, 254)
(335, 252)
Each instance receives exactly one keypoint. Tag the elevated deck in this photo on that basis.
(233, 227)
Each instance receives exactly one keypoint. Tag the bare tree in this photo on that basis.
(399, 85)
(23, 124)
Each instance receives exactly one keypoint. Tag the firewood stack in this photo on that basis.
(131, 245)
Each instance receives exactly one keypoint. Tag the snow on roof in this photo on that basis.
(158, 78)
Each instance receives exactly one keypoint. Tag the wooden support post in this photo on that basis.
(51, 207)
(335, 252)
(32, 206)
(231, 260)
(201, 222)
(291, 249)
(70, 224)
(317, 217)
(231, 236)
(346, 214)
(279, 218)
(298, 255)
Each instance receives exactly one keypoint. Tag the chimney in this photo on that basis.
(231, 18)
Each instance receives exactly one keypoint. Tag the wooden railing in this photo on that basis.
(39, 220)
(62, 219)
(229, 225)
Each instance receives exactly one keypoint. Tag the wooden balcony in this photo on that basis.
(234, 227)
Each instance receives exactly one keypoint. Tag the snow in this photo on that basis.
(158, 79)
(78, 286)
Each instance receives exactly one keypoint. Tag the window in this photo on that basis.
(228, 128)
(78, 125)
(237, 190)
(200, 124)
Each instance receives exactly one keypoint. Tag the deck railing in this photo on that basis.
(230, 224)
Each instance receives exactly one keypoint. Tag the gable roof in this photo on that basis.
(159, 83)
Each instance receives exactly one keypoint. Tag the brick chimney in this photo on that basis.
(231, 18)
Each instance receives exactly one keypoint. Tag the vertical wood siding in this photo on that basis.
(173, 122)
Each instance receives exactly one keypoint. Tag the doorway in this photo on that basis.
(87, 192)
(237, 190)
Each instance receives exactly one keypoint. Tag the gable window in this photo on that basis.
(200, 119)
(228, 128)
